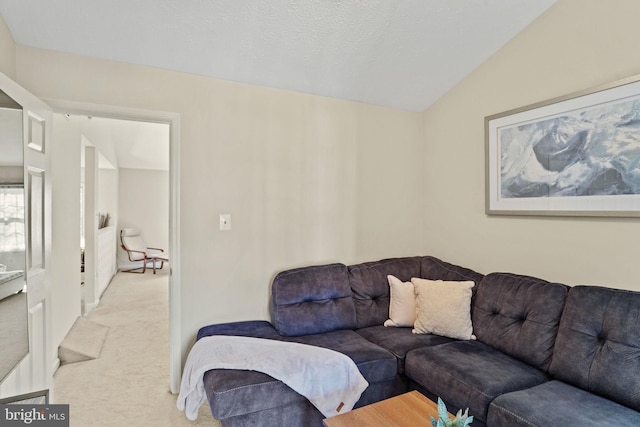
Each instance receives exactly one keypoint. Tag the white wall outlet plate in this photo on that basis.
(225, 222)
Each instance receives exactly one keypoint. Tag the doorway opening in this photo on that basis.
(171, 123)
(124, 185)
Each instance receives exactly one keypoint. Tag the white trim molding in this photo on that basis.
(173, 119)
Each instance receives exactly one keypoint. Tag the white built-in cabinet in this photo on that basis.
(106, 265)
(100, 249)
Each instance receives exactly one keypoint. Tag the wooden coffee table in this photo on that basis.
(406, 410)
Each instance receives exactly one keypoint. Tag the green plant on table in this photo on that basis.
(462, 419)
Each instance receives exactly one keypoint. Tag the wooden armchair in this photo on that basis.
(137, 251)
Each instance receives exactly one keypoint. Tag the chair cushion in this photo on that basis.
(399, 341)
(159, 256)
(469, 374)
(134, 243)
(519, 315)
(558, 404)
(598, 344)
(370, 287)
(312, 300)
(128, 232)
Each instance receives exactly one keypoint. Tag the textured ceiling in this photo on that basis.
(396, 53)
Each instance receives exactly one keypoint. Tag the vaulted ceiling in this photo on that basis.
(397, 53)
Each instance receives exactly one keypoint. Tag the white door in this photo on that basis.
(35, 371)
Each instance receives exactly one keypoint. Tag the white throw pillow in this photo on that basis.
(443, 308)
(402, 306)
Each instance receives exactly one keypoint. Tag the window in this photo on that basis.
(11, 218)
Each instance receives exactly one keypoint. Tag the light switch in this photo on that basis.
(225, 222)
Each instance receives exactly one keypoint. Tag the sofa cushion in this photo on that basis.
(598, 344)
(312, 300)
(519, 315)
(236, 392)
(399, 341)
(375, 363)
(301, 413)
(249, 398)
(233, 392)
(558, 404)
(370, 287)
(469, 374)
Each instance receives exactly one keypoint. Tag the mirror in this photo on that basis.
(14, 332)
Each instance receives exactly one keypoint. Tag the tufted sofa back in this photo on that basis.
(519, 315)
(598, 343)
(370, 287)
(312, 300)
(324, 298)
(434, 269)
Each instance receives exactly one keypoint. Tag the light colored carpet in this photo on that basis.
(128, 385)
(83, 342)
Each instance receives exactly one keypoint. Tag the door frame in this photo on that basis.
(173, 120)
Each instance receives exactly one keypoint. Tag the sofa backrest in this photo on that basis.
(598, 344)
(370, 287)
(519, 315)
(312, 300)
(434, 269)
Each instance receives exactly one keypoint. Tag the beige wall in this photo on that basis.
(306, 179)
(7, 51)
(575, 45)
(108, 197)
(65, 257)
(11, 174)
(143, 200)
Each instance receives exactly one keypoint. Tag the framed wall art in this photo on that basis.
(575, 155)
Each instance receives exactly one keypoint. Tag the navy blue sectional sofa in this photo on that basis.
(545, 354)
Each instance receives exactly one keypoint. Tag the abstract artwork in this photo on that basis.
(575, 155)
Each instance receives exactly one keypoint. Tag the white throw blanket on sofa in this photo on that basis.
(329, 379)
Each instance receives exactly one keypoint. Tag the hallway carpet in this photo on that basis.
(128, 385)
(83, 342)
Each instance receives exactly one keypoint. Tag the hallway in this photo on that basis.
(128, 385)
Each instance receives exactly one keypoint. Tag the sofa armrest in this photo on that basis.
(251, 328)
